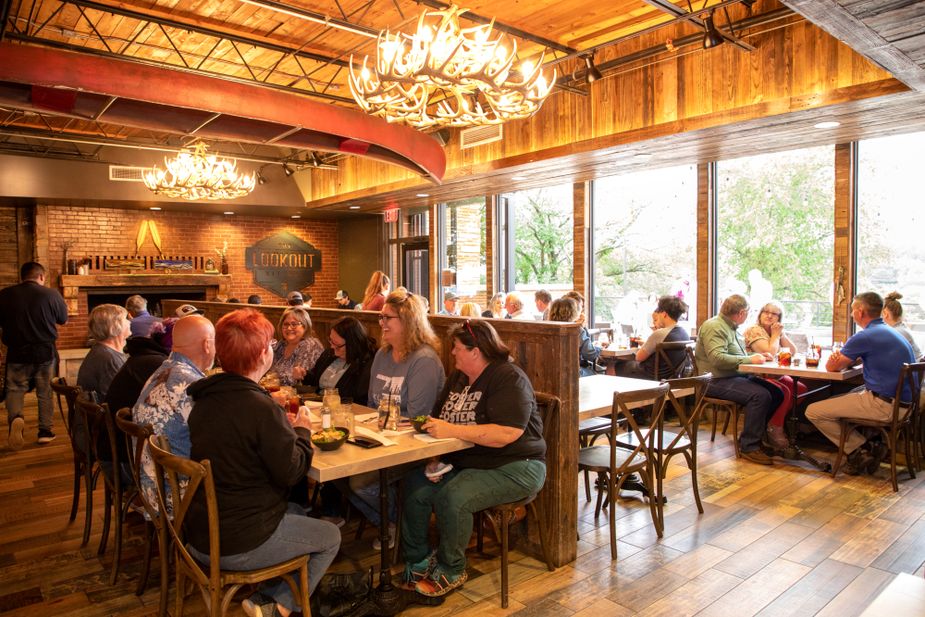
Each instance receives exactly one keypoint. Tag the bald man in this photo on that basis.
(163, 402)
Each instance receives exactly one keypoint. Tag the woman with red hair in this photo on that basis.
(257, 454)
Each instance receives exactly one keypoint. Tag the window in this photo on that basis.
(542, 239)
(891, 255)
(776, 236)
(409, 256)
(645, 244)
(463, 270)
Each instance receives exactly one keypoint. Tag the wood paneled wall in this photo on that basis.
(546, 351)
(794, 67)
(844, 271)
(706, 240)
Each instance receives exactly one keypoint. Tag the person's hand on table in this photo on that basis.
(438, 429)
(298, 373)
(301, 419)
(759, 358)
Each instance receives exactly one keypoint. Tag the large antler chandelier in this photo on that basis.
(193, 174)
(444, 75)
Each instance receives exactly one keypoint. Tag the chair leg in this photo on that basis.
(479, 540)
(734, 415)
(120, 522)
(713, 429)
(600, 494)
(76, 500)
(146, 563)
(695, 485)
(587, 486)
(107, 520)
(162, 546)
(544, 541)
(910, 455)
(728, 413)
(892, 445)
(505, 524)
(88, 499)
(841, 449)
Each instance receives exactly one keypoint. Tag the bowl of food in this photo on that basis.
(330, 438)
(418, 422)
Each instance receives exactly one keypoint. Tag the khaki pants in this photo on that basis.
(863, 404)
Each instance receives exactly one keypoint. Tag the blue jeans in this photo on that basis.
(454, 499)
(18, 377)
(759, 398)
(295, 535)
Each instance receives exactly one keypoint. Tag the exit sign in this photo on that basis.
(391, 215)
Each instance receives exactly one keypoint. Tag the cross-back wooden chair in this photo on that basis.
(85, 471)
(502, 516)
(901, 425)
(210, 578)
(119, 494)
(136, 438)
(665, 366)
(613, 464)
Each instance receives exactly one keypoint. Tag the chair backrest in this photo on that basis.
(98, 422)
(168, 468)
(688, 422)
(665, 366)
(548, 407)
(136, 437)
(911, 375)
(692, 357)
(622, 415)
(69, 394)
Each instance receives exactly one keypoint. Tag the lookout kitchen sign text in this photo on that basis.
(283, 263)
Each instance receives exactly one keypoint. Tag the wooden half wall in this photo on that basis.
(548, 354)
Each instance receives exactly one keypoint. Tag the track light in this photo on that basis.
(287, 170)
(260, 178)
(592, 74)
(711, 36)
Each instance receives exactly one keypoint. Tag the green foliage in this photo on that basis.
(543, 240)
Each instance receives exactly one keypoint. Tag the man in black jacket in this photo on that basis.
(29, 316)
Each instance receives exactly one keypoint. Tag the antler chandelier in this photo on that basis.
(444, 75)
(195, 175)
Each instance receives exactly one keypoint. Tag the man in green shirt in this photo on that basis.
(720, 350)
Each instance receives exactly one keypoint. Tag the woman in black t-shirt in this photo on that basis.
(489, 401)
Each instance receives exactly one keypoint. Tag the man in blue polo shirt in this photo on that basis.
(883, 351)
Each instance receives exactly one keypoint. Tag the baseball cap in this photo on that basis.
(294, 296)
(188, 309)
(340, 295)
(450, 296)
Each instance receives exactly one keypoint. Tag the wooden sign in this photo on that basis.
(282, 263)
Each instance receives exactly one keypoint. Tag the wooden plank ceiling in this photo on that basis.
(278, 45)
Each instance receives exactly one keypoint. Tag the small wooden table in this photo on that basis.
(611, 356)
(595, 393)
(350, 460)
(773, 369)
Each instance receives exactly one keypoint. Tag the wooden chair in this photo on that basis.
(671, 442)
(720, 405)
(136, 438)
(118, 494)
(210, 578)
(501, 516)
(665, 368)
(84, 469)
(613, 464)
(901, 424)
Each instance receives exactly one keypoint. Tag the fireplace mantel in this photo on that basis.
(73, 284)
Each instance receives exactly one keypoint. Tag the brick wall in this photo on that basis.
(112, 232)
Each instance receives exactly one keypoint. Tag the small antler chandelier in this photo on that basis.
(195, 175)
(444, 75)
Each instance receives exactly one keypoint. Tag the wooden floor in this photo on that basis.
(781, 540)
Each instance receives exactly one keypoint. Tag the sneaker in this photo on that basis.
(415, 572)
(440, 583)
(46, 436)
(16, 429)
(377, 544)
(259, 605)
(757, 456)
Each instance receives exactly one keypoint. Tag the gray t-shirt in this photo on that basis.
(414, 382)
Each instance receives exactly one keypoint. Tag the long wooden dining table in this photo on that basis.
(595, 393)
(350, 460)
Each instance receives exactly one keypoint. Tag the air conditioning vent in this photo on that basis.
(479, 135)
(124, 173)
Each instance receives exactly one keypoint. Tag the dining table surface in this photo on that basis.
(350, 460)
(595, 393)
(802, 371)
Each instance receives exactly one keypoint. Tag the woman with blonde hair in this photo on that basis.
(495, 308)
(470, 309)
(378, 287)
(296, 349)
(407, 372)
(767, 336)
(893, 317)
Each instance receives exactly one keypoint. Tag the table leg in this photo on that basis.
(793, 451)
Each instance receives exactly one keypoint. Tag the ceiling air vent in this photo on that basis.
(124, 173)
(479, 135)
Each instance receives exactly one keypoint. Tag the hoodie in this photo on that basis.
(255, 454)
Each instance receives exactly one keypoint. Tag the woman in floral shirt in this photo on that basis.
(296, 349)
